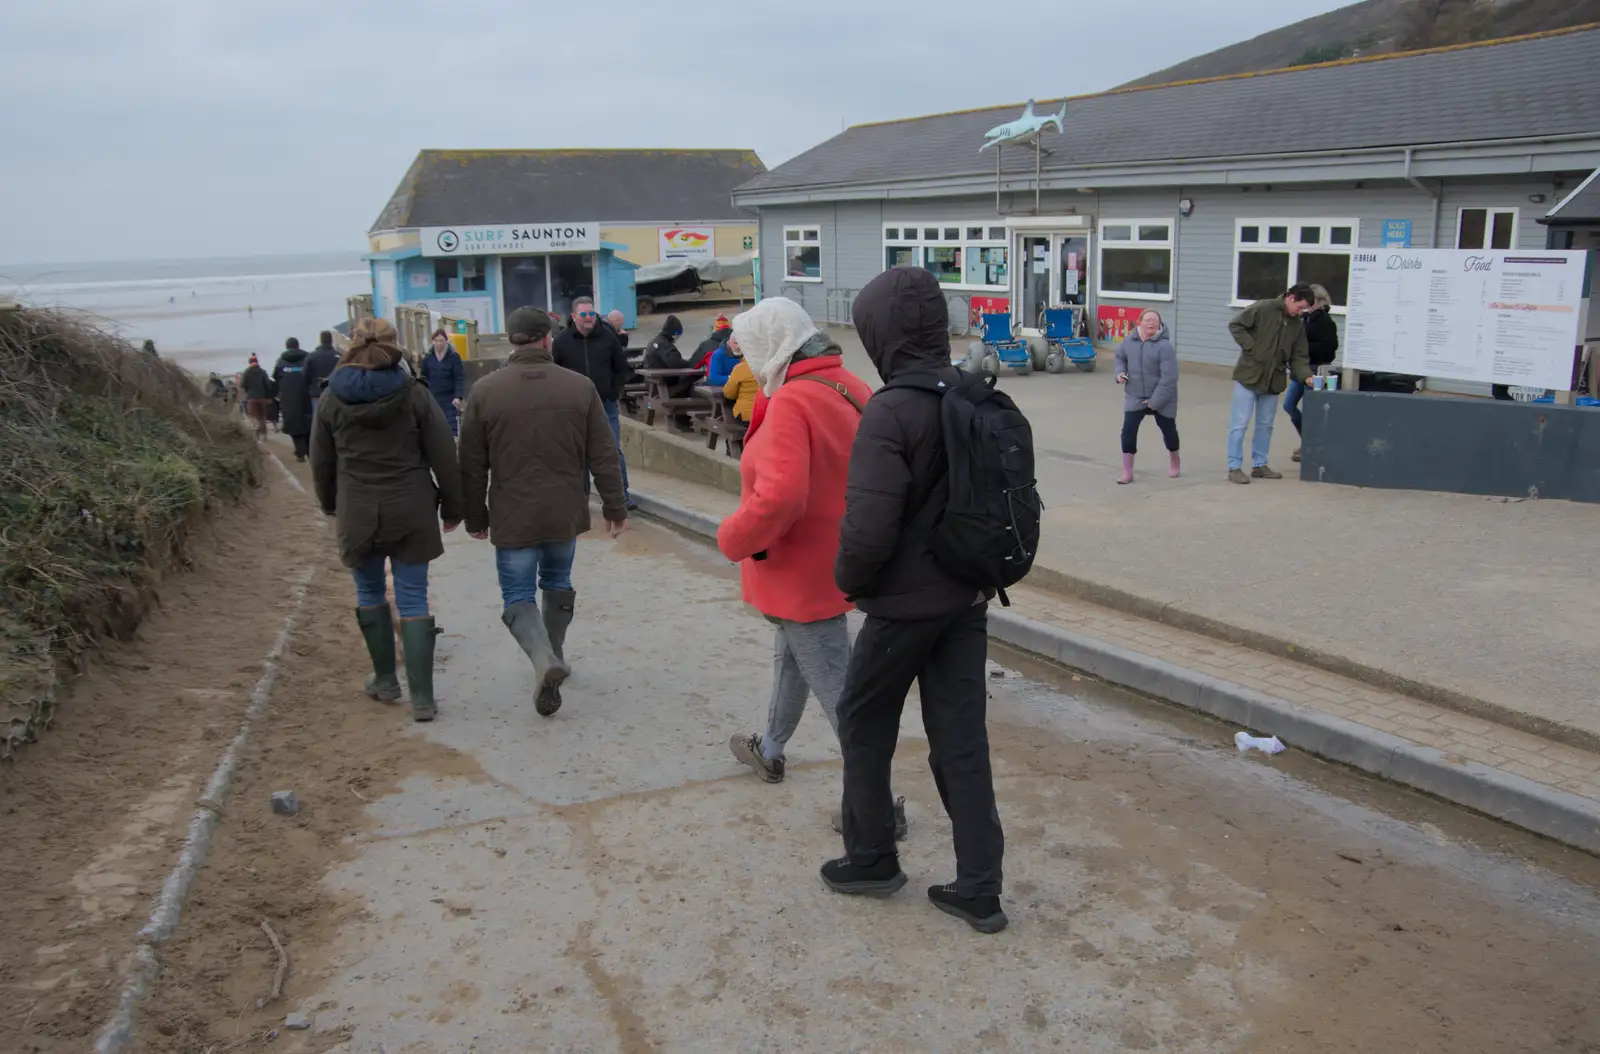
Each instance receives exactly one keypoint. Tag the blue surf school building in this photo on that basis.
(478, 234)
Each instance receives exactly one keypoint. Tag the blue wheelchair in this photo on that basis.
(1002, 348)
(1063, 337)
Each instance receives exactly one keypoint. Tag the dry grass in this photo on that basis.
(107, 458)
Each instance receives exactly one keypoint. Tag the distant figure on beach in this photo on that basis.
(294, 397)
(149, 349)
(320, 366)
(257, 386)
(251, 309)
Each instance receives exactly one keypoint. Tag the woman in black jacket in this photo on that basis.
(1322, 338)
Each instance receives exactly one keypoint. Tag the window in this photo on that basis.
(1486, 228)
(802, 253)
(1271, 255)
(971, 254)
(1136, 259)
(459, 274)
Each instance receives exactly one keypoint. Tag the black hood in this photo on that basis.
(903, 322)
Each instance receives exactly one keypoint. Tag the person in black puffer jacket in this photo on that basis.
(1322, 339)
(922, 625)
(294, 396)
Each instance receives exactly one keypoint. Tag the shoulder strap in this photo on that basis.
(838, 386)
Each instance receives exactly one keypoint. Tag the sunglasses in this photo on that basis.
(587, 314)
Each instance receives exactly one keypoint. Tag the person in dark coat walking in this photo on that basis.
(1147, 365)
(445, 377)
(294, 396)
(256, 383)
(922, 625)
(588, 345)
(383, 463)
(320, 365)
(1322, 345)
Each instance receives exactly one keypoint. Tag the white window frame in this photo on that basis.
(1490, 212)
(919, 244)
(1293, 246)
(1169, 244)
(799, 240)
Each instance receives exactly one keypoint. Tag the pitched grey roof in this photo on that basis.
(1542, 85)
(444, 187)
(1581, 206)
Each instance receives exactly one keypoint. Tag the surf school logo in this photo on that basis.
(448, 241)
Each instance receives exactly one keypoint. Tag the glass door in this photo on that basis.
(1036, 275)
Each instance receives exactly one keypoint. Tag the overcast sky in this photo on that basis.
(180, 128)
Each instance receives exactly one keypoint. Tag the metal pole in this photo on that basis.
(1038, 153)
(997, 151)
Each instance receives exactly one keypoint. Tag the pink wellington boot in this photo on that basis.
(1173, 466)
(1127, 469)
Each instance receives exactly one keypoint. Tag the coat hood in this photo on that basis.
(373, 397)
(903, 322)
(293, 356)
(769, 335)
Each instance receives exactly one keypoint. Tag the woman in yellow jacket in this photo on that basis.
(742, 386)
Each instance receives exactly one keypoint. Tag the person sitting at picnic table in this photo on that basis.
(741, 386)
(721, 330)
(663, 354)
(723, 359)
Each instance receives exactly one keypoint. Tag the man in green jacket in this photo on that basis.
(1271, 338)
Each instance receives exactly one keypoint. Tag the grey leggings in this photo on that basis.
(808, 658)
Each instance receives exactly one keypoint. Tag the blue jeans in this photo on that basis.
(523, 572)
(614, 419)
(313, 409)
(410, 586)
(1291, 403)
(1263, 405)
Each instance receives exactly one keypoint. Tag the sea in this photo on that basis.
(208, 315)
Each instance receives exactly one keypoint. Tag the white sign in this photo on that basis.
(1465, 314)
(474, 307)
(511, 239)
(687, 243)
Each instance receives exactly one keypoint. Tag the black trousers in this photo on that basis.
(302, 445)
(945, 657)
(1130, 429)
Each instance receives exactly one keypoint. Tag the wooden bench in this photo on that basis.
(721, 424)
(659, 398)
(633, 397)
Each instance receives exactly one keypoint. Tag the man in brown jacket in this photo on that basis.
(531, 432)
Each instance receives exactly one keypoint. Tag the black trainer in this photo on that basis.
(982, 913)
(879, 879)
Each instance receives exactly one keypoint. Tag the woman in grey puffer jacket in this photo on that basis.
(1147, 364)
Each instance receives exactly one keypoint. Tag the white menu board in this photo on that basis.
(1464, 314)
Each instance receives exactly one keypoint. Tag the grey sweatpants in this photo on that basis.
(808, 658)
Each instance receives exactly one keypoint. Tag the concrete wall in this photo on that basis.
(1461, 446)
(1202, 301)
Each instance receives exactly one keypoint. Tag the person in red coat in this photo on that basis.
(785, 533)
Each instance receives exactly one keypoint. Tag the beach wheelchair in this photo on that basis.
(1002, 348)
(1064, 341)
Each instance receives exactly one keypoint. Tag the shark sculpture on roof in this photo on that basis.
(1024, 129)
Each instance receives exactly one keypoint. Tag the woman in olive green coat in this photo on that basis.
(384, 464)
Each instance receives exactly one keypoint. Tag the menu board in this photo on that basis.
(1466, 314)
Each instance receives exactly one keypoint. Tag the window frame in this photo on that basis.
(1292, 247)
(1489, 213)
(481, 275)
(918, 243)
(1170, 244)
(800, 242)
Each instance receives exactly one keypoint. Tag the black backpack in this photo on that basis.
(982, 524)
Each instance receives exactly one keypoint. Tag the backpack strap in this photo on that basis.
(838, 386)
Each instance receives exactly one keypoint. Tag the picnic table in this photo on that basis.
(659, 394)
(720, 423)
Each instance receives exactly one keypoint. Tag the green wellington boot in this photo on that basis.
(377, 629)
(557, 606)
(526, 624)
(417, 635)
